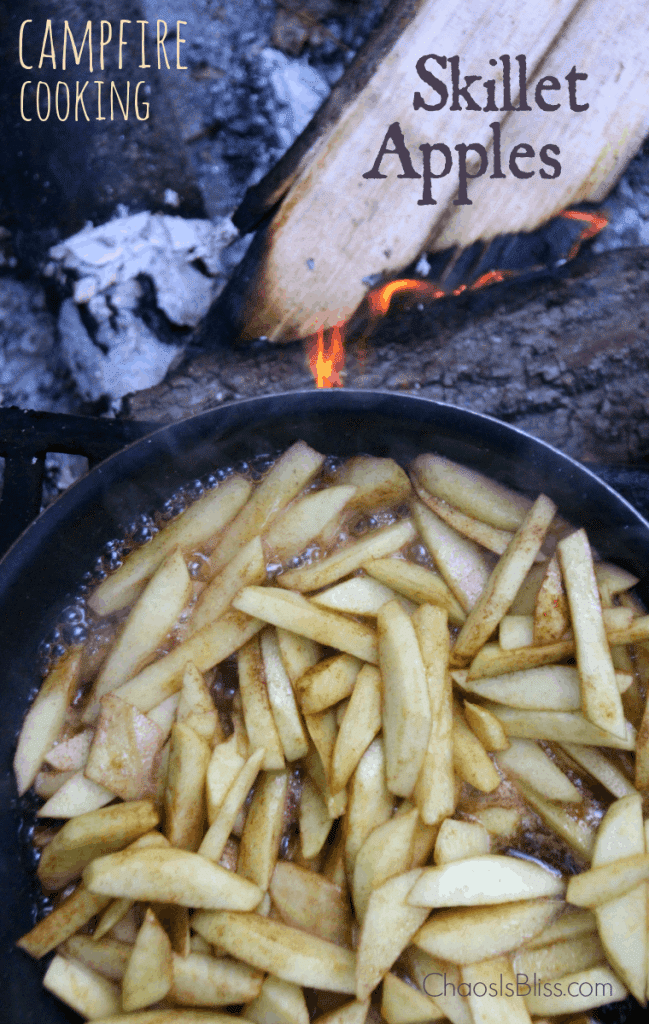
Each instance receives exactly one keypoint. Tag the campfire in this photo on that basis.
(393, 307)
(326, 349)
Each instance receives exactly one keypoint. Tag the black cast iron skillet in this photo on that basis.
(45, 565)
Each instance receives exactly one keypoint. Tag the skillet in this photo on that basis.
(43, 569)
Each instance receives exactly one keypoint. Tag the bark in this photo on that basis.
(563, 356)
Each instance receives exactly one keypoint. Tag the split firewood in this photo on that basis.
(411, 152)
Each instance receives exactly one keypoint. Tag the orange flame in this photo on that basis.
(327, 358)
(379, 300)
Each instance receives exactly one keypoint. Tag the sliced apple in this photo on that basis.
(45, 718)
(457, 840)
(526, 760)
(279, 1002)
(167, 875)
(148, 974)
(496, 980)
(386, 852)
(361, 722)
(461, 562)
(402, 1003)
(309, 901)
(546, 688)
(85, 990)
(471, 934)
(388, 926)
(288, 953)
(584, 990)
(406, 704)
(622, 923)
(474, 881)
(471, 491)
(376, 544)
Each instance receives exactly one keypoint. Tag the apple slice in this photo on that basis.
(406, 703)
(551, 616)
(168, 875)
(386, 852)
(607, 882)
(471, 934)
(389, 924)
(45, 718)
(462, 563)
(278, 1001)
(599, 984)
(402, 1003)
(440, 981)
(149, 972)
(85, 990)
(501, 1007)
(492, 878)
(622, 922)
(288, 953)
(526, 760)
(457, 840)
(474, 494)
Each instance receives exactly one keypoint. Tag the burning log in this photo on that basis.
(511, 148)
(326, 349)
(563, 356)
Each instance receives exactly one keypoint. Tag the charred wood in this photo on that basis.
(345, 217)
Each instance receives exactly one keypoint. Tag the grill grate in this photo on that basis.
(25, 439)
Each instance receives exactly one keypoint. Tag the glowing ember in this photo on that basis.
(491, 277)
(379, 299)
(327, 357)
(594, 222)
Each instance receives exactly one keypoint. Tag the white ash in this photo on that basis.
(299, 91)
(109, 349)
(422, 268)
(160, 246)
(628, 208)
(32, 373)
(121, 356)
(171, 198)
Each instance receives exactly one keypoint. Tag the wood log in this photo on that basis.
(260, 199)
(336, 228)
(595, 145)
(563, 356)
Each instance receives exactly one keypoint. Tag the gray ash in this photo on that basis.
(258, 71)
